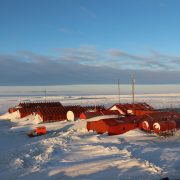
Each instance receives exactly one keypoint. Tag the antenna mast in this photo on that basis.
(133, 84)
(95, 104)
(45, 94)
(119, 90)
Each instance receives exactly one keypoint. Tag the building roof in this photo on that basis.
(136, 106)
(158, 116)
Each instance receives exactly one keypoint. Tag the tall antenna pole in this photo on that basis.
(119, 90)
(45, 94)
(95, 104)
(133, 84)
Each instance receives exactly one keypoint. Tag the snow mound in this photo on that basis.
(18, 163)
(15, 117)
(177, 133)
(31, 119)
(134, 133)
(79, 126)
(11, 116)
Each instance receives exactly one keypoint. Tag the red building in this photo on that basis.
(160, 118)
(111, 126)
(91, 114)
(133, 109)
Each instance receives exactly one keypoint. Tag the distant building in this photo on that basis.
(133, 109)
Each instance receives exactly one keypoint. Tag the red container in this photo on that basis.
(110, 126)
(164, 126)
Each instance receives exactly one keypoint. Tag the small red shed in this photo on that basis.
(110, 126)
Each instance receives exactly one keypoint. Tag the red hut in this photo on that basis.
(29, 108)
(73, 112)
(110, 126)
(52, 114)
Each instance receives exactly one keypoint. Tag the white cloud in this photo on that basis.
(154, 61)
(87, 64)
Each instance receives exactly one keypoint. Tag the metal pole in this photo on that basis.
(119, 90)
(133, 82)
(95, 104)
(45, 94)
(133, 88)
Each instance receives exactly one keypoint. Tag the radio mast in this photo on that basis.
(119, 91)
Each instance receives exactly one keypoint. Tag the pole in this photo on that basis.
(95, 104)
(119, 91)
(133, 82)
(45, 94)
(133, 88)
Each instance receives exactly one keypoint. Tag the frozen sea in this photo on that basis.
(159, 96)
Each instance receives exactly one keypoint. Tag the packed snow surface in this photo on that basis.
(68, 151)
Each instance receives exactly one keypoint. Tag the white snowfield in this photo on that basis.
(68, 151)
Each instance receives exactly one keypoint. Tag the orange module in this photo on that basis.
(38, 131)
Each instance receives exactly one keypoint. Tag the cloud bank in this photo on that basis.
(87, 65)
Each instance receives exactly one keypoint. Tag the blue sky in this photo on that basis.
(89, 41)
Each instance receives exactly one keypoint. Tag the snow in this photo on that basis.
(11, 116)
(69, 151)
